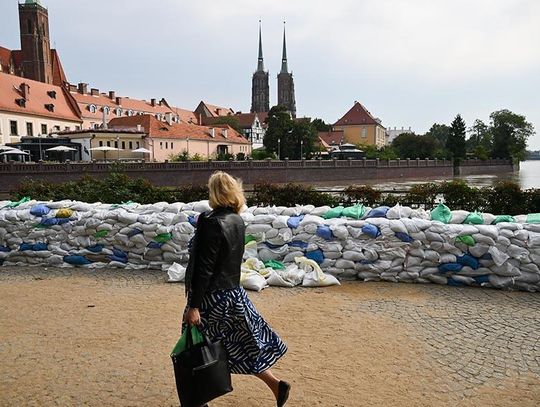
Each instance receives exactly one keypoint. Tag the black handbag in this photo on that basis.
(201, 372)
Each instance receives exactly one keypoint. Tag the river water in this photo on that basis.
(527, 177)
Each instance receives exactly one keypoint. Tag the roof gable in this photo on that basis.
(357, 115)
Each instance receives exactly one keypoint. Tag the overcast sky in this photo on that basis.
(410, 62)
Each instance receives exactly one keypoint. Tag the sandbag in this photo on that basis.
(314, 276)
(441, 213)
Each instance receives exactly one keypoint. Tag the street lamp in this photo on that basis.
(301, 148)
(279, 148)
(118, 147)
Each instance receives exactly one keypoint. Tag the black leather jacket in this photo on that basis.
(216, 254)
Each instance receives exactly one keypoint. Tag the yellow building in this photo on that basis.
(360, 127)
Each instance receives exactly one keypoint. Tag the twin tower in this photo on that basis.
(260, 89)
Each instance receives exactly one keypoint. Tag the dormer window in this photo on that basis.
(106, 109)
(49, 107)
(118, 111)
(52, 94)
(158, 116)
(130, 112)
(21, 102)
(92, 108)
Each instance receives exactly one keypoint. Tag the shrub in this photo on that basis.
(458, 195)
(289, 195)
(421, 194)
(364, 194)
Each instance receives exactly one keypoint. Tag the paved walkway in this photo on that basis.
(102, 337)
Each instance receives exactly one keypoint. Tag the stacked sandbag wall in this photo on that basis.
(397, 244)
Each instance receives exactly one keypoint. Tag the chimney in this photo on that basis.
(153, 102)
(112, 94)
(118, 100)
(72, 88)
(25, 91)
(94, 92)
(139, 128)
(218, 111)
(104, 125)
(83, 88)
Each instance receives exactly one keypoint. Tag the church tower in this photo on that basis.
(35, 45)
(286, 83)
(260, 89)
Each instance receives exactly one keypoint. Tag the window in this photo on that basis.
(172, 144)
(131, 145)
(116, 144)
(106, 109)
(92, 108)
(123, 145)
(108, 143)
(130, 113)
(56, 128)
(29, 129)
(77, 127)
(13, 127)
(364, 132)
(166, 145)
(161, 145)
(101, 143)
(158, 116)
(43, 129)
(118, 111)
(137, 144)
(67, 128)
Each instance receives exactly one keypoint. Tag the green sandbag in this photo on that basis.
(474, 218)
(355, 211)
(101, 233)
(120, 205)
(14, 204)
(276, 265)
(163, 237)
(248, 238)
(441, 213)
(503, 218)
(334, 212)
(466, 239)
(181, 345)
(533, 218)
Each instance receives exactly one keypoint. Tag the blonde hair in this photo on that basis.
(225, 191)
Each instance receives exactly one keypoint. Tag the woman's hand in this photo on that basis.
(192, 316)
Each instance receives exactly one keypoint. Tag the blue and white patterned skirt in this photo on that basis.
(230, 316)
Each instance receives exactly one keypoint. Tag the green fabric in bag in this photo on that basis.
(466, 239)
(441, 213)
(474, 218)
(533, 218)
(333, 213)
(503, 218)
(181, 345)
(276, 265)
(355, 211)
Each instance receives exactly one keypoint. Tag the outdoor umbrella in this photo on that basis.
(6, 148)
(105, 149)
(62, 149)
(14, 151)
(141, 150)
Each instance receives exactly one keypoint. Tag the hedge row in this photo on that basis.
(503, 198)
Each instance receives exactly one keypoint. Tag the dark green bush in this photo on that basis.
(422, 194)
(458, 195)
(364, 194)
(289, 195)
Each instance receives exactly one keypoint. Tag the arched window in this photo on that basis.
(92, 108)
(158, 116)
(107, 110)
(130, 112)
(119, 111)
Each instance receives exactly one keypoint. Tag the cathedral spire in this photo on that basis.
(284, 67)
(260, 62)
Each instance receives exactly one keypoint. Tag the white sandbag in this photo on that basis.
(437, 279)
(353, 255)
(201, 206)
(320, 210)
(398, 212)
(498, 256)
(291, 276)
(420, 213)
(314, 276)
(459, 216)
(176, 273)
(340, 231)
(464, 279)
(280, 222)
(478, 250)
(326, 263)
(397, 226)
(312, 219)
(332, 254)
(500, 281)
(368, 276)
(344, 264)
(251, 280)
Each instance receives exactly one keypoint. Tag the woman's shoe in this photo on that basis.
(283, 393)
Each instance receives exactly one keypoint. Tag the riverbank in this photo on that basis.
(105, 340)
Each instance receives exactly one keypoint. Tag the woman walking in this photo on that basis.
(216, 302)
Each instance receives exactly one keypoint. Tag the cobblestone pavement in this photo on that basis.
(474, 334)
(68, 336)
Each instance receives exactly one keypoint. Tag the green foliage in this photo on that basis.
(223, 157)
(510, 134)
(183, 156)
(197, 157)
(458, 194)
(440, 133)
(383, 153)
(506, 198)
(364, 194)
(410, 145)
(480, 140)
(289, 195)
(261, 154)
(320, 125)
(240, 157)
(455, 143)
(422, 194)
(231, 121)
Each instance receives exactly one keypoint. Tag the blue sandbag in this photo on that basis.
(25, 246)
(450, 268)
(95, 248)
(133, 232)
(273, 246)
(379, 212)
(119, 259)
(49, 221)
(371, 230)
(454, 283)
(325, 232)
(40, 210)
(298, 243)
(5, 249)
(468, 260)
(76, 260)
(119, 253)
(40, 247)
(482, 279)
(294, 221)
(404, 237)
(315, 255)
(154, 245)
(366, 261)
(193, 220)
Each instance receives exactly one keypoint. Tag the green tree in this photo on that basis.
(510, 133)
(278, 133)
(455, 143)
(303, 137)
(480, 140)
(410, 145)
(440, 133)
(230, 121)
(320, 125)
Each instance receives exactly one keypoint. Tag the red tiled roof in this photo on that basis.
(59, 76)
(209, 110)
(157, 129)
(358, 114)
(332, 138)
(7, 55)
(11, 91)
(5, 59)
